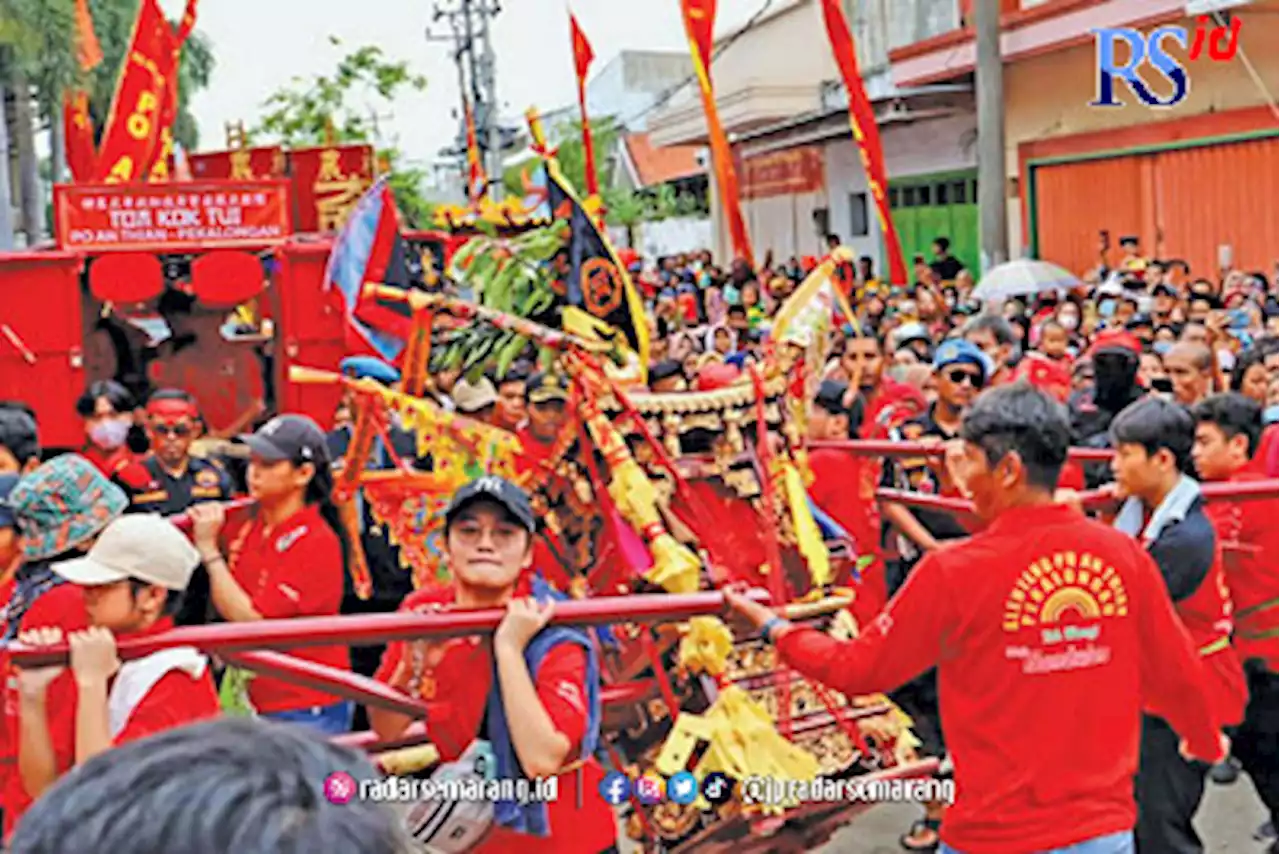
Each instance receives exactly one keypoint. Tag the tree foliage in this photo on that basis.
(344, 107)
(42, 36)
(623, 207)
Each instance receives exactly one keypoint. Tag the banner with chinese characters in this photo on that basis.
(171, 217)
(327, 182)
(784, 173)
(244, 164)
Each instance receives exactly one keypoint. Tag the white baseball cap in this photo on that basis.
(141, 546)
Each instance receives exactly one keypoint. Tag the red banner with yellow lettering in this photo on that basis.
(699, 25)
(866, 133)
(131, 140)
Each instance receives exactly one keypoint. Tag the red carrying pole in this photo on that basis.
(343, 683)
(370, 629)
(883, 448)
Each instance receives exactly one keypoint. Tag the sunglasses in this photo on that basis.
(180, 431)
(960, 376)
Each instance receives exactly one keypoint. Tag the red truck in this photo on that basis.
(202, 285)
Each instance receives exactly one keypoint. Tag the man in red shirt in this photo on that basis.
(1164, 510)
(60, 509)
(546, 395)
(1050, 633)
(1227, 429)
(530, 686)
(133, 580)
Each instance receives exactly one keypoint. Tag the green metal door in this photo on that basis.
(925, 207)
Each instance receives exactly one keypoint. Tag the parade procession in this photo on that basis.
(766, 426)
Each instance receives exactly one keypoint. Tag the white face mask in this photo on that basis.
(1069, 321)
(109, 434)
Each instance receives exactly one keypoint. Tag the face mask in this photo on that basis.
(1069, 321)
(1106, 308)
(1271, 414)
(109, 434)
(1161, 347)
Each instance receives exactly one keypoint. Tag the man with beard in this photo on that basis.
(1114, 355)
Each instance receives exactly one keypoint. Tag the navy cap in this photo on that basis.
(288, 437)
(369, 367)
(7, 483)
(664, 369)
(500, 491)
(958, 351)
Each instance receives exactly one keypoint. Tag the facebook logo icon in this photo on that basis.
(615, 788)
(1148, 49)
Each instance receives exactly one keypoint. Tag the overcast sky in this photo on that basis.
(261, 44)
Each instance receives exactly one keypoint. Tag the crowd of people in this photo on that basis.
(1176, 373)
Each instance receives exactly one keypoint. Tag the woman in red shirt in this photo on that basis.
(287, 561)
(107, 410)
(531, 691)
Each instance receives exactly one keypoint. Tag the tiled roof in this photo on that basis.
(655, 165)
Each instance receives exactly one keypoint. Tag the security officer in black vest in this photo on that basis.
(172, 480)
(391, 581)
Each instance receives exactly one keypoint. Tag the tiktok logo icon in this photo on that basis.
(717, 788)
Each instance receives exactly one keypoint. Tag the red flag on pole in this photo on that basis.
(699, 25)
(88, 49)
(77, 124)
(582, 56)
(476, 179)
(866, 133)
(159, 170)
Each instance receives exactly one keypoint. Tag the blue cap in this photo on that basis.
(369, 367)
(7, 483)
(957, 351)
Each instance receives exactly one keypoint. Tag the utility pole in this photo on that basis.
(991, 173)
(488, 78)
(477, 76)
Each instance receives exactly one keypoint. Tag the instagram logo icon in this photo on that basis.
(650, 789)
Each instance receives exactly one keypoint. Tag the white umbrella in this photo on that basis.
(1023, 277)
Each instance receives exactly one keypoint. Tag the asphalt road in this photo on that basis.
(1226, 821)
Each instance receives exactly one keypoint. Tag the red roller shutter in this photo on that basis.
(1219, 194)
(1074, 201)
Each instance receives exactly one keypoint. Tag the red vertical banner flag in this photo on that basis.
(132, 135)
(477, 181)
(77, 124)
(582, 56)
(866, 133)
(159, 170)
(699, 25)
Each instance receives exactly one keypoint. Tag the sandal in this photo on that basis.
(917, 827)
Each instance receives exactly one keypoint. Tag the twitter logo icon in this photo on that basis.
(682, 788)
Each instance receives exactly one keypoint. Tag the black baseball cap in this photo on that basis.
(665, 369)
(500, 491)
(1164, 290)
(831, 397)
(288, 437)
